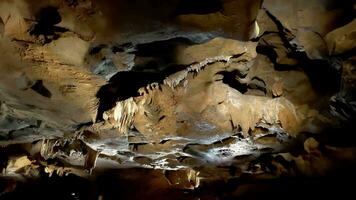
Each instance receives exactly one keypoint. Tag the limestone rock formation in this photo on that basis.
(195, 99)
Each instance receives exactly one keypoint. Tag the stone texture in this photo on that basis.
(174, 98)
(342, 39)
(72, 56)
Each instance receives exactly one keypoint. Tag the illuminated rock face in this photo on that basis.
(185, 93)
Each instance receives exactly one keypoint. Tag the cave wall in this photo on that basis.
(190, 92)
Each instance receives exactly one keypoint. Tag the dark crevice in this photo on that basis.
(198, 7)
(272, 56)
(122, 47)
(46, 19)
(2, 27)
(285, 34)
(263, 35)
(267, 51)
(327, 82)
(238, 56)
(41, 89)
(229, 78)
(96, 49)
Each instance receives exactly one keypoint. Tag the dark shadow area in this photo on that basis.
(96, 49)
(41, 89)
(198, 7)
(122, 47)
(342, 136)
(333, 186)
(143, 184)
(164, 48)
(46, 19)
(324, 74)
(125, 84)
(72, 2)
(2, 27)
(272, 56)
(122, 86)
(69, 187)
(158, 55)
(230, 79)
(347, 8)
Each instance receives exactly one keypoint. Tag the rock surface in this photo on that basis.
(191, 99)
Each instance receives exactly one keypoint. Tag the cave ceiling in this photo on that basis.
(186, 93)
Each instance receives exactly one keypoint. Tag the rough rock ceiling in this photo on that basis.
(192, 99)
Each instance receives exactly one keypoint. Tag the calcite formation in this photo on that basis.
(208, 97)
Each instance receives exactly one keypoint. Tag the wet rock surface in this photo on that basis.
(187, 99)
